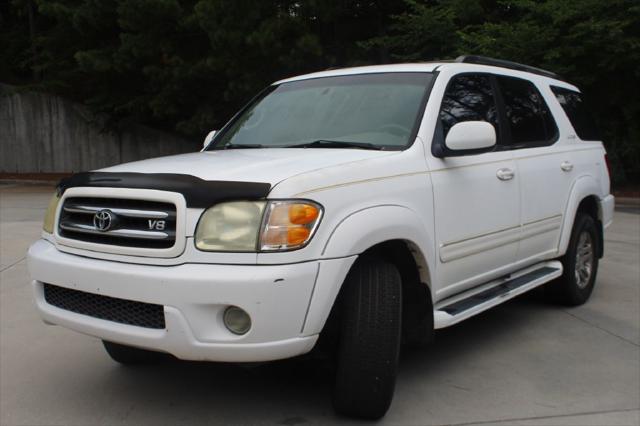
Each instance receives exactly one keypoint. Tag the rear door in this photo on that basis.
(544, 162)
(476, 195)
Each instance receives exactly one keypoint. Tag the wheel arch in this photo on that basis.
(417, 306)
(373, 227)
(395, 234)
(583, 198)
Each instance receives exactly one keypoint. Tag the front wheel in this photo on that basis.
(580, 264)
(369, 346)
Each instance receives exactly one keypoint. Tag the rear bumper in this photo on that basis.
(277, 297)
(607, 205)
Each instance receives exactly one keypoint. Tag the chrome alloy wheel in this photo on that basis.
(584, 259)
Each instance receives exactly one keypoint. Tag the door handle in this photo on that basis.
(505, 174)
(566, 166)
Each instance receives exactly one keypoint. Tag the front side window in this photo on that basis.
(578, 113)
(378, 111)
(527, 115)
(469, 97)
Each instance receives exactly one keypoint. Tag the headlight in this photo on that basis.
(50, 215)
(230, 226)
(250, 226)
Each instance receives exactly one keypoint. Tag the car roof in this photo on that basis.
(371, 69)
(430, 67)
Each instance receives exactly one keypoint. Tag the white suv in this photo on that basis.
(350, 209)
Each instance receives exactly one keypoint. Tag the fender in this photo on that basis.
(583, 187)
(355, 234)
(373, 225)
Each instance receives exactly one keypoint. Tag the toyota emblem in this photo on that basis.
(102, 220)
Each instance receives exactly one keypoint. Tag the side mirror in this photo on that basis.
(470, 135)
(209, 138)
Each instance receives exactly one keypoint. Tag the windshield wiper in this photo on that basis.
(325, 143)
(242, 145)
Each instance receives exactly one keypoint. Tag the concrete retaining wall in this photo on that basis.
(41, 133)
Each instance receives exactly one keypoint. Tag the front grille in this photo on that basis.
(117, 221)
(123, 311)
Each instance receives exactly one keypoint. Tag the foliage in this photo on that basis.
(187, 65)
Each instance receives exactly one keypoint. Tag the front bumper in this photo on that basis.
(277, 297)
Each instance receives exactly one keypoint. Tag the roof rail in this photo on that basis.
(483, 60)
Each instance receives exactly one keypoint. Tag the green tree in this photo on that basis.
(593, 44)
(183, 65)
(188, 65)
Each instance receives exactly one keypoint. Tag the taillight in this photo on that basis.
(606, 161)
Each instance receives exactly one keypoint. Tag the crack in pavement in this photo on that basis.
(586, 413)
(601, 329)
(13, 264)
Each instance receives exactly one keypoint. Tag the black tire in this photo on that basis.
(572, 288)
(369, 345)
(128, 355)
(417, 318)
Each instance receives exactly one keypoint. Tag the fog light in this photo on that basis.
(237, 320)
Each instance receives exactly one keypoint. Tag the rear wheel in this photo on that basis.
(128, 355)
(369, 345)
(580, 264)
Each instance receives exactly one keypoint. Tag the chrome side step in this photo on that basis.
(472, 302)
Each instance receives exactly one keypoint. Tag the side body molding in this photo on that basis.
(355, 234)
(583, 187)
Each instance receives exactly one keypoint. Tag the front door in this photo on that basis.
(476, 196)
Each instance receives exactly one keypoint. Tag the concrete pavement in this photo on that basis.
(522, 363)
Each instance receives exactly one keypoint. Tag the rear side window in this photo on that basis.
(578, 113)
(469, 97)
(527, 115)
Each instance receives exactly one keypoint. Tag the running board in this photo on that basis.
(472, 302)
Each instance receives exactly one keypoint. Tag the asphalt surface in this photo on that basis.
(522, 363)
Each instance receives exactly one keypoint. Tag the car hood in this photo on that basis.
(271, 165)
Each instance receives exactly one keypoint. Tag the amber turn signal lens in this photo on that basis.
(289, 224)
(298, 235)
(301, 214)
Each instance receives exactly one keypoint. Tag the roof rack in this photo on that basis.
(483, 60)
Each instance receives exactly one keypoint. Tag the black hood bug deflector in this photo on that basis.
(197, 192)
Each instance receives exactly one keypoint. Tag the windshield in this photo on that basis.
(376, 111)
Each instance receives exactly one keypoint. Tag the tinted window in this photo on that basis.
(528, 117)
(578, 113)
(469, 97)
(380, 109)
